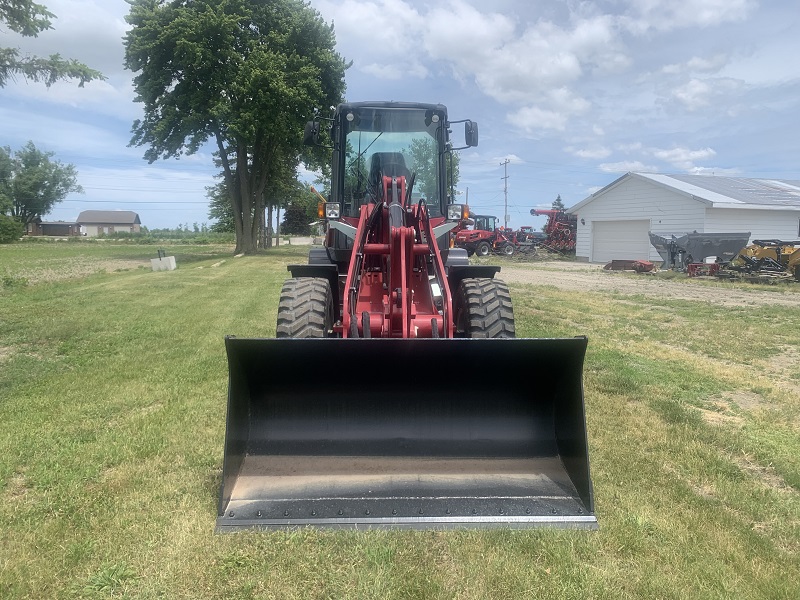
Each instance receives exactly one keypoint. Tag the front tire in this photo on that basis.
(483, 309)
(305, 309)
(483, 249)
(508, 249)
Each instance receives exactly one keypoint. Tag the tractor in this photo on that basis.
(356, 414)
(486, 237)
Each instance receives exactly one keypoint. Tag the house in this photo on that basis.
(56, 228)
(613, 223)
(97, 222)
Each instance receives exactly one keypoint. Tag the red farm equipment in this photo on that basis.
(485, 237)
(356, 415)
(561, 229)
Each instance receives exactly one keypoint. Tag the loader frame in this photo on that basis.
(385, 435)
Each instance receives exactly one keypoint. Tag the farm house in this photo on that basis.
(613, 223)
(97, 222)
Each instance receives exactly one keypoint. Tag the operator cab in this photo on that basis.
(485, 223)
(373, 140)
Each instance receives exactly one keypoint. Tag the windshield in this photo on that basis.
(394, 142)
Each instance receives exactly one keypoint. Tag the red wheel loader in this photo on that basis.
(357, 414)
(486, 236)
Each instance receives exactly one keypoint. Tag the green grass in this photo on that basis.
(112, 410)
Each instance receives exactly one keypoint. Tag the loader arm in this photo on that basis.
(396, 285)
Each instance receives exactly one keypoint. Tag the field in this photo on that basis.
(112, 410)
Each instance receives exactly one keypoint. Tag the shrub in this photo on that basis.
(10, 229)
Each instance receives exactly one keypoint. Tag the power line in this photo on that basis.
(133, 202)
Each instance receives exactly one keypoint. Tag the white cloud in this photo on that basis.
(698, 64)
(627, 166)
(533, 118)
(597, 152)
(683, 158)
(90, 31)
(517, 65)
(553, 112)
(644, 16)
(694, 95)
(389, 29)
(391, 72)
(716, 93)
(511, 158)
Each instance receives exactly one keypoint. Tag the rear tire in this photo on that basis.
(483, 249)
(483, 309)
(305, 309)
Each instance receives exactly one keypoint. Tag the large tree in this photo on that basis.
(423, 155)
(243, 73)
(29, 19)
(31, 184)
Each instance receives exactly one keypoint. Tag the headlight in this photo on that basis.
(332, 210)
(456, 212)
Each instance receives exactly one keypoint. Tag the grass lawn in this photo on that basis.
(113, 387)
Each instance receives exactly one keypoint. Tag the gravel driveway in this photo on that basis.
(586, 277)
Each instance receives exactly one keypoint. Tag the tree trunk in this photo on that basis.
(277, 225)
(269, 226)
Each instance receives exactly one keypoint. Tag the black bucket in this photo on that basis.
(423, 433)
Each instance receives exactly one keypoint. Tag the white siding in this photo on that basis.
(620, 240)
(762, 224)
(636, 199)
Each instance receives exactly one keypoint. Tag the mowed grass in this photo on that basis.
(112, 413)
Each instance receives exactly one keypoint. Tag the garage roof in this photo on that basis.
(123, 217)
(721, 192)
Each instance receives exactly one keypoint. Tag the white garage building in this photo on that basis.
(613, 223)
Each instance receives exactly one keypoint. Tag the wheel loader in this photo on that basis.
(377, 404)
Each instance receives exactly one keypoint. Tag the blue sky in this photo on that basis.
(574, 94)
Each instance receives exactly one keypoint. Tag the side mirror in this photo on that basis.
(471, 133)
(311, 134)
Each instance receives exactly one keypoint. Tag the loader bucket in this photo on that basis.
(405, 433)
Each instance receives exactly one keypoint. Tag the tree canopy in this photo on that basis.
(29, 19)
(423, 154)
(558, 204)
(31, 184)
(243, 74)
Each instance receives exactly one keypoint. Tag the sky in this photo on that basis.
(572, 94)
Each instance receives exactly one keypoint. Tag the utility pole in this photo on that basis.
(505, 191)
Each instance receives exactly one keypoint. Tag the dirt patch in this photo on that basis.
(5, 353)
(748, 401)
(592, 278)
(720, 414)
(17, 487)
(767, 476)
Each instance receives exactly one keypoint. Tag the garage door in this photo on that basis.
(612, 240)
